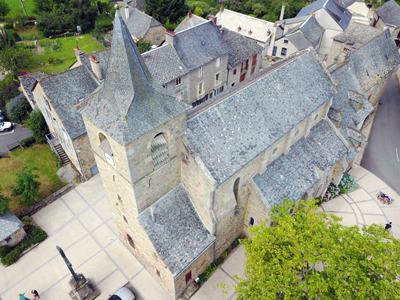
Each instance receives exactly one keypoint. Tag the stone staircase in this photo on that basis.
(61, 154)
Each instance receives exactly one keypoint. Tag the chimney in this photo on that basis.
(169, 37)
(127, 12)
(94, 63)
(282, 11)
(189, 14)
(78, 54)
(213, 19)
(152, 216)
(222, 8)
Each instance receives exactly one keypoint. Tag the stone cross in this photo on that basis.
(69, 265)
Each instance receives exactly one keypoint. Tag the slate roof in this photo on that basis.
(130, 103)
(249, 120)
(64, 91)
(190, 21)
(178, 234)
(336, 10)
(9, 223)
(389, 13)
(241, 48)
(357, 34)
(298, 40)
(28, 82)
(138, 22)
(260, 29)
(292, 20)
(139, 4)
(292, 175)
(199, 45)
(375, 59)
(102, 57)
(164, 64)
(312, 30)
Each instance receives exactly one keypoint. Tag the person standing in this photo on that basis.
(388, 225)
(35, 294)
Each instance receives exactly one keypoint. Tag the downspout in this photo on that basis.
(79, 161)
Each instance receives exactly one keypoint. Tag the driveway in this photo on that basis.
(80, 222)
(9, 137)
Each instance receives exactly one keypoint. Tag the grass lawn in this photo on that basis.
(39, 156)
(29, 33)
(65, 56)
(16, 7)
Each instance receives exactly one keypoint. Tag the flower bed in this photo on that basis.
(346, 184)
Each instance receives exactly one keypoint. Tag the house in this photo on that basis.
(352, 38)
(11, 230)
(189, 21)
(360, 11)
(244, 60)
(223, 166)
(141, 25)
(388, 15)
(27, 83)
(333, 16)
(250, 27)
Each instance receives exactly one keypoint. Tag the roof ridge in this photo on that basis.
(247, 16)
(368, 41)
(63, 72)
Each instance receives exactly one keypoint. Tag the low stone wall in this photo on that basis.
(46, 201)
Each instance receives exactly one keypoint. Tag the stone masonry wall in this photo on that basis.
(85, 155)
(235, 79)
(155, 35)
(16, 238)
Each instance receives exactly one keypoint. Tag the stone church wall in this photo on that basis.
(85, 155)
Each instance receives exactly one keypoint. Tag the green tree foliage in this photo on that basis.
(4, 203)
(27, 186)
(14, 59)
(20, 110)
(311, 255)
(143, 45)
(163, 10)
(198, 11)
(38, 126)
(4, 8)
(8, 90)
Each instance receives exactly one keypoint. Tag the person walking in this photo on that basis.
(388, 225)
(22, 297)
(35, 294)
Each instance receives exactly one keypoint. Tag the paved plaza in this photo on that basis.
(80, 222)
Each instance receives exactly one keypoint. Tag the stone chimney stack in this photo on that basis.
(169, 37)
(213, 19)
(127, 12)
(78, 54)
(282, 11)
(152, 216)
(95, 64)
(189, 14)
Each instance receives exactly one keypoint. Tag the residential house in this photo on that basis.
(11, 230)
(244, 60)
(388, 15)
(189, 21)
(141, 25)
(224, 166)
(333, 16)
(360, 11)
(27, 82)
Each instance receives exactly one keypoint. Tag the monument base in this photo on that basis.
(82, 290)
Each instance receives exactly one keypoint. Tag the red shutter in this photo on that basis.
(242, 77)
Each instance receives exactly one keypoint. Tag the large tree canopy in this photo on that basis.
(311, 255)
(4, 8)
(163, 10)
(14, 60)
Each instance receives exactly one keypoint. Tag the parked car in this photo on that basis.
(123, 294)
(6, 126)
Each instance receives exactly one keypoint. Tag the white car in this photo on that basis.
(123, 294)
(6, 126)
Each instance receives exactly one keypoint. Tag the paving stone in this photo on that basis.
(210, 290)
(359, 195)
(92, 190)
(358, 213)
(149, 287)
(372, 219)
(234, 264)
(357, 172)
(369, 207)
(102, 208)
(348, 219)
(104, 235)
(74, 201)
(111, 284)
(98, 268)
(337, 204)
(90, 219)
(371, 183)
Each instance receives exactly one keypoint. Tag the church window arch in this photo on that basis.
(159, 151)
(106, 147)
(236, 188)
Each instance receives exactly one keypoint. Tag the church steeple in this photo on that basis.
(130, 103)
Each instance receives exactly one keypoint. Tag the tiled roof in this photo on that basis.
(199, 45)
(389, 13)
(9, 224)
(336, 10)
(190, 21)
(312, 30)
(138, 22)
(28, 82)
(293, 174)
(64, 91)
(298, 40)
(164, 64)
(250, 27)
(357, 34)
(178, 234)
(130, 103)
(251, 119)
(241, 48)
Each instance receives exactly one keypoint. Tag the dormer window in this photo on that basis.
(106, 147)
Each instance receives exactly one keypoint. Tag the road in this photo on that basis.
(17, 134)
(382, 153)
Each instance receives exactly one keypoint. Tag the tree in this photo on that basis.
(163, 10)
(310, 255)
(4, 203)
(84, 13)
(37, 124)
(4, 8)
(27, 187)
(198, 12)
(20, 109)
(14, 59)
(143, 45)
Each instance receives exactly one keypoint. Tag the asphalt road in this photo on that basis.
(17, 134)
(382, 153)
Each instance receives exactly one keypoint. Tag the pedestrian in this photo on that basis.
(22, 297)
(35, 294)
(388, 225)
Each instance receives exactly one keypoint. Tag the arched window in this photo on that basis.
(251, 222)
(159, 151)
(106, 147)
(236, 188)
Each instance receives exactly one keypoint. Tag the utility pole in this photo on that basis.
(23, 6)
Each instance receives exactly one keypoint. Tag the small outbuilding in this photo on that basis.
(11, 230)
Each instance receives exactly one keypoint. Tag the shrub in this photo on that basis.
(25, 143)
(26, 219)
(8, 25)
(38, 126)
(4, 250)
(346, 183)
(27, 186)
(4, 203)
(56, 47)
(20, 110)
(11, 257)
